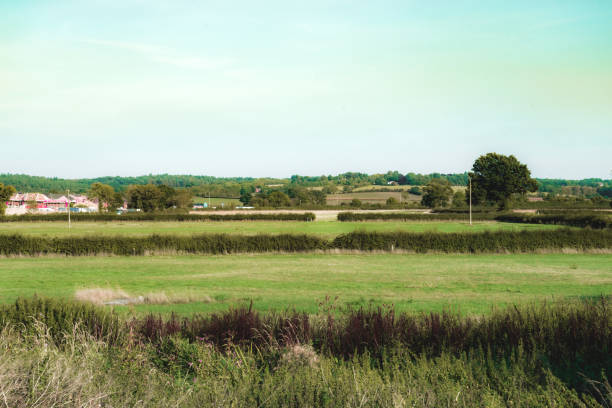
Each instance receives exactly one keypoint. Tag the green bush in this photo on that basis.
(308, 216)
(591, 220)
(406, 216)
(485, 242)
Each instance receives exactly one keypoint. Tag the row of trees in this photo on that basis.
(146, 197)
(290, 196)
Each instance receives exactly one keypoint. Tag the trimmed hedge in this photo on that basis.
(491, 242)
(308, 216)
(197, 244)
(405, 216)
(596, 221)
(481, 242)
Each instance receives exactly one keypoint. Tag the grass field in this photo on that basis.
(472, 283)
(327, 229)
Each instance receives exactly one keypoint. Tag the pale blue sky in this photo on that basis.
(274, 88)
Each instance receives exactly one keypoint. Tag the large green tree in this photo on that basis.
(145, 197)
(496, 177)
(5, 194)
(437, 193)
(103, 193)
(279, 199)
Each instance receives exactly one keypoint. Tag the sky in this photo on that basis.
(275, 88)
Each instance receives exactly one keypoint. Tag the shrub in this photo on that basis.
(406, 216)
(591, 220)
(308, 216)
(482, 242)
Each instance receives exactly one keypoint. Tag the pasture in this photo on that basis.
(326, 229)
(472, 284)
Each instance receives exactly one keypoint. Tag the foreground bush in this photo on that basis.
(547, 355)
(308, 216)
(466, 242)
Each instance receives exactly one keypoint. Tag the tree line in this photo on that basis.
(230, 187)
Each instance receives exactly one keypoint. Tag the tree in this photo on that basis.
(167, 197)
(437, 193)
(496, 177)
(279, 199)
(391, 201)
(355, 202)
(5, 194)
(103, 193)
(144, 196)
(459, 199)
(115, 203)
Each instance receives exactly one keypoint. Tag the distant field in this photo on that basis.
(216, 202)
(370, 198)
(471, 283)
(328, 229)
(405, 188)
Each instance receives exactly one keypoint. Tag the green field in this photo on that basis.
(327, 229)
(471, 283)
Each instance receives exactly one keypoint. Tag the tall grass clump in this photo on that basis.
(555, 354)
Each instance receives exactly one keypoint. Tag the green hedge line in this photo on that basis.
(485, 242)
(197, 244)
(405, 216)
(308, 216)
(596, 221)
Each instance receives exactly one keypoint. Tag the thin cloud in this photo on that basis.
(164, 55)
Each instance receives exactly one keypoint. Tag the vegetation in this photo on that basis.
(188, 284)
(5, 193)
(407, 216)
(538, 355)
(496, 177)
(324, 229)
(138, 217)
(151, 198)
(592, 220)
(242, 186)
(476, 242)
(437, 193)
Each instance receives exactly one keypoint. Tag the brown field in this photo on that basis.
(370, 198)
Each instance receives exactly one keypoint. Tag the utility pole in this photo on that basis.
(470, 200)
(68, 197)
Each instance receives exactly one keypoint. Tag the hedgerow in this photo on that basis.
(406, 216)
(481, 242)
(307, 216)
(597, 221)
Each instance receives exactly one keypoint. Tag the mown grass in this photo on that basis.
(468, 283)
(326, 229)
